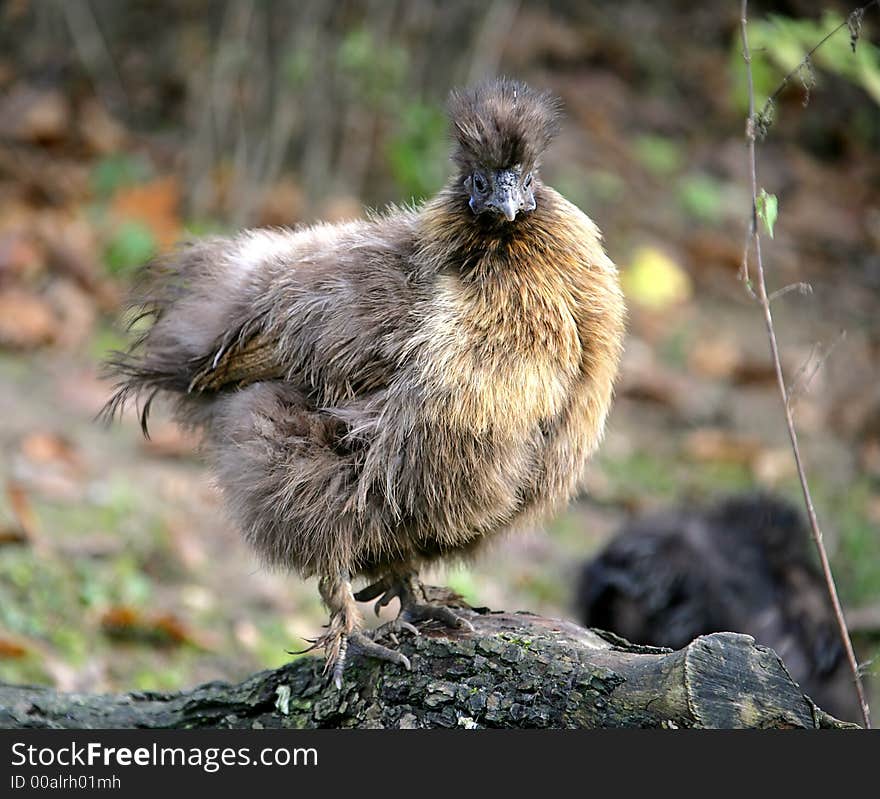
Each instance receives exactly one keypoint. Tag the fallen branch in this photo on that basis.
(515, 671)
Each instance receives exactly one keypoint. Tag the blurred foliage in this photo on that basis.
(587, 188)
(376, 70)
(340, 106)
(660, 155)
(461, 580)
(417, 150)
(417, 146)
(132, 243)
(117, 171)
(702, 197)
(642, 471)
(779, 44)
(856, 560)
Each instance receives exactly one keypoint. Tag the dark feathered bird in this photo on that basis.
(742, 565)
(380, 394)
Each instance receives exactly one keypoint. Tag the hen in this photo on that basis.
(384, 393)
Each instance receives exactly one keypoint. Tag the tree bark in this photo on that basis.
(517, 670)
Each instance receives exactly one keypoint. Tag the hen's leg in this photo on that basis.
(415, 604)
(344, 634)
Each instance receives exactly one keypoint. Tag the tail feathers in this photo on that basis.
(140, 378)
(186, 303)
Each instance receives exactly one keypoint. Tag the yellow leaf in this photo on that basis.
(654, 280)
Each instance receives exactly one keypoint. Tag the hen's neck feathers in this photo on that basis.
(555, 236)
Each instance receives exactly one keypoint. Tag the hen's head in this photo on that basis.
(502, 128)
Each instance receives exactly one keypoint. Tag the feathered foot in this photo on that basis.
(415, 603)
(344, 634)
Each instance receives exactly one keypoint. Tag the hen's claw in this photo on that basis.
(414, 603)
(415, 606)
(390, 628)
(447, 616)
(364, 645)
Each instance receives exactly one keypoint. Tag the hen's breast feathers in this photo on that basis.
(531, 328)
(501, 391)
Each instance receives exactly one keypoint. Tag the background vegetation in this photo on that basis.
(126, 126)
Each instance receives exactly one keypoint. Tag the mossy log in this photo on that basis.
(516, 670)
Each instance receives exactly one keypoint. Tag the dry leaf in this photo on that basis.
(247, 634)
(754, 373)
(713, 250)
(154, 204)
(12, 649)
(12, 534)
(772, 466)
(173, 628)
(717, 359)
(119, 618)
(46, 447)
(189, 547)
(282, 204)
(657, 389)
(82, 390)
(72, 250)
(76, 313)
(34, 115)
(873, 509)
(20, 256)
(26, 320)
(869, 457)
(129, 624)
(711, 444)
(22, 509)
(341, 209)
(101, 133)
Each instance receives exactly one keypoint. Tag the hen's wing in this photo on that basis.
(246, 359)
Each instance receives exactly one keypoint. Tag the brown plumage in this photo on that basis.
(379, 394)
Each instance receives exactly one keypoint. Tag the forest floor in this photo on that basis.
(118, 569)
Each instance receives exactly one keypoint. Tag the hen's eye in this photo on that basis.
(528, 181)
(480, 183)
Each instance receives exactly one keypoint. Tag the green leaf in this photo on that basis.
(115, 172)
(702, 196)
(768, 209)
(416, 149)
(132, 244)
(659, 154)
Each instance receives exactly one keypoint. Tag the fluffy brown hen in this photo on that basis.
(384, 393)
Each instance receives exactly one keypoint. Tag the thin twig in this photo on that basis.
(744, 275)
(764, 301)
(808, 57)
